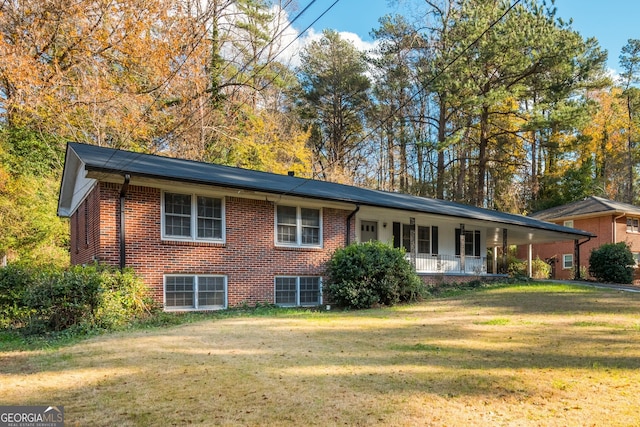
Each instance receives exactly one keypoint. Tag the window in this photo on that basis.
(406, 237)
(568, 223)
(632, 225)
(567, 261)
(292, 291)
(297, 226)
(424, 241)
(191, 217)
(471, 242)
(636, 258)
(191, 292)
(426, 238)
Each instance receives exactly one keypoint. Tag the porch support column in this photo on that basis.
(462, 248)
(529, 257)
(412, 241)
(576, 260)
(504, 251)
(495, 260)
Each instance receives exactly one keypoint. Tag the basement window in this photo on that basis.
(195, 292)
(298, 291)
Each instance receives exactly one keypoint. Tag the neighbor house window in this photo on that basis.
(294, 291)
(567, 261)
(568, 223)
(632, 225)
(192, 217)
(296, 226)
(195, 292)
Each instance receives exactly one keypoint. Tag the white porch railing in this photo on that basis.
(426, 263)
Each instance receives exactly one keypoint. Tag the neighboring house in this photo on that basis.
(205, 236)
(609, 221)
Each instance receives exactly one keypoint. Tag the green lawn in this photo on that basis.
(518, 355)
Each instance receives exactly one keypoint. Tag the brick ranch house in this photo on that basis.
(608, 220)
(206, 236)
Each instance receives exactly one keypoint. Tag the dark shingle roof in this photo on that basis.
(111, 161)
(587, 207)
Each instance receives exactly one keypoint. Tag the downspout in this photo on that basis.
(123, 194)
(348, 239)
(615, 220)
(576, 275)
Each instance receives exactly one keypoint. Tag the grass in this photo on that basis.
(517, 355)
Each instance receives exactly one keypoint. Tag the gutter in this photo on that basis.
(123, 194)
(576, 254)
(348, 237)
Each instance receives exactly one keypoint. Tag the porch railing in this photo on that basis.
(426, 263)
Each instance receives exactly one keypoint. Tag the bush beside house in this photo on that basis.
(362, 275)
(613, 263)
(37, 301)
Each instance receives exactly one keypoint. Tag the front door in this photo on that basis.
(368, 231)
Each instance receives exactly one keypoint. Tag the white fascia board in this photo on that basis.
(75, 185)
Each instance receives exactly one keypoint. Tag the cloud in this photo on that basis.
(292, 42)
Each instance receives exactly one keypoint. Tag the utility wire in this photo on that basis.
(422, 89)
(199, 40)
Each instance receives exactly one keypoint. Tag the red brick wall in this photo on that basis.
(249, 257)
(601, 226)
(85, 230)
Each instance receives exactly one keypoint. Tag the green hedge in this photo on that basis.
(366, 274)
(43, 300)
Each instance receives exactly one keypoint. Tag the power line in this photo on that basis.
(431, 80)
(199, 40)
(271, 60)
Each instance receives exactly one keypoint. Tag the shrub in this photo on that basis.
(14, 282)
(53, 299)
(366, 274)
(516, 268)
(540, 269)
(61, 299)
(612, 262)
(122, 298)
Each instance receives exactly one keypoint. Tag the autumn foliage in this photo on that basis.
(487, 103)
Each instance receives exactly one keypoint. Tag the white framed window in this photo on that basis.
(195, 292)
(568, 223)
(192, 217)
(298, 291)
(298, 226)
(632, 225)
(567, 261)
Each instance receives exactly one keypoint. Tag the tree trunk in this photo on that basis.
(482, 156)
(442, 120)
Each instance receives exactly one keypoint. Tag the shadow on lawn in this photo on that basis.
(308, 366)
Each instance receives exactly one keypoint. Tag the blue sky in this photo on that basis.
(612, 22)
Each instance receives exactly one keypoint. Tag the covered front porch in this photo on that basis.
(452, 245)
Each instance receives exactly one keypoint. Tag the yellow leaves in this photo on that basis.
(271, 144)
(606, 129)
